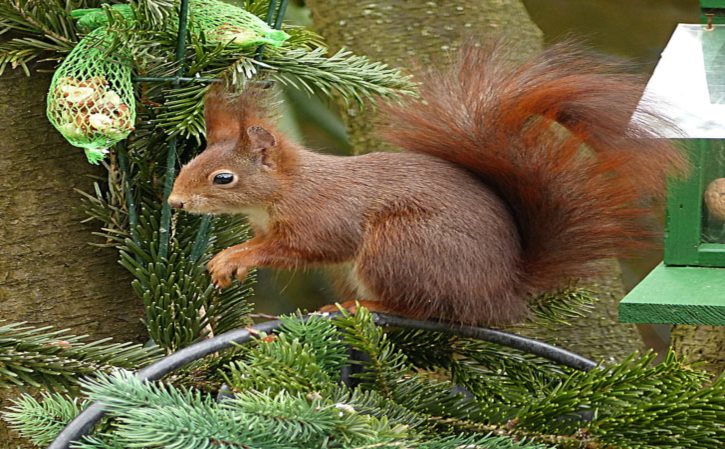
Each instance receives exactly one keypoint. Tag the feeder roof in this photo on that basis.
(688, 84)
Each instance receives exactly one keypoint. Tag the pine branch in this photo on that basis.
(281, 365)
(302, 37)
(477, 441)
(287, 399)
(40, 421)
(48, 18)
(154, 12)
(635, 404)
(322, 338)
(385, 364)
(257, 7)
(372, 403)
(153, 414)
(388, 371)
(41, 356)
(176, 290)
(19, 52)
(183, 112)
(104, 441)
(561, 308)
(499, 377)
(504, 433)
(355, 78)
(307, 356)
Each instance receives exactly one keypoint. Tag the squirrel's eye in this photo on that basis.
(223, 178)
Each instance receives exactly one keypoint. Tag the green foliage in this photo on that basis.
(387, 370)
(281, 365)
(48, 20)
(153, 414)
(321, 337)
(307, 356)
(41, 356)
(181, 304)
(147, 29)
(154, 12)
(355, 78)
(289, 393)
(560, 308)
(635, 404)
(42, 420)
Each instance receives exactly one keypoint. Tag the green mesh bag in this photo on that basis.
(90, 100)
(231, 25)
(92, 18)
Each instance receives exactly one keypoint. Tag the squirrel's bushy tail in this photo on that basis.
(554, 136)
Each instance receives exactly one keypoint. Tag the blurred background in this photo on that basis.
(636, 30)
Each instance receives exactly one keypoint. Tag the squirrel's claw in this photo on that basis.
(221, 280)
(224, 268)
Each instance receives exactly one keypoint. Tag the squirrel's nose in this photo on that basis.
(175, 202)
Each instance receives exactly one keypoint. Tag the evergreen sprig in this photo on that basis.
(45, 357)
(42, 420)
(154, 12)
(36, 30)
(153, 414)
(560, 308)
(321, 337)
(355, 78)
(387, 370)
(635, 404)
(281, 365)
(308, 355)
(182, 306)
(50, 19)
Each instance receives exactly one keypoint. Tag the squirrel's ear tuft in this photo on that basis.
(260, 139)
(221, 115)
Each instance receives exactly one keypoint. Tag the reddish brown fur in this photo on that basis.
(490, 203)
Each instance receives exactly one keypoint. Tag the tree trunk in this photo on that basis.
(702, 344)
(49, 274)
(421, 34)
(413, 35)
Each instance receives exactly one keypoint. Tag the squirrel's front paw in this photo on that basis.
(225, 266)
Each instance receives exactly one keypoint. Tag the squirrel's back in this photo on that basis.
(554, 137)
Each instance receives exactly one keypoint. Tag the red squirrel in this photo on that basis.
(512, 180)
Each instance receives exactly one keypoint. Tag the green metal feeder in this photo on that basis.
(689, 286)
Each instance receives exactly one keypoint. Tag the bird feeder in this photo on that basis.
(689, 286)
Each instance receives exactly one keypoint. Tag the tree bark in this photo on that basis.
(421, 34)
(413, 35)
(702, 344)
(49, 274)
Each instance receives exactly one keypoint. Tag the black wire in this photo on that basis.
(88, 418)
(544, 350)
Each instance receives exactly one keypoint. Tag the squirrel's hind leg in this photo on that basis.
(432, 267)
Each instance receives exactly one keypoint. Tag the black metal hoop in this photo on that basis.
(85, 421)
